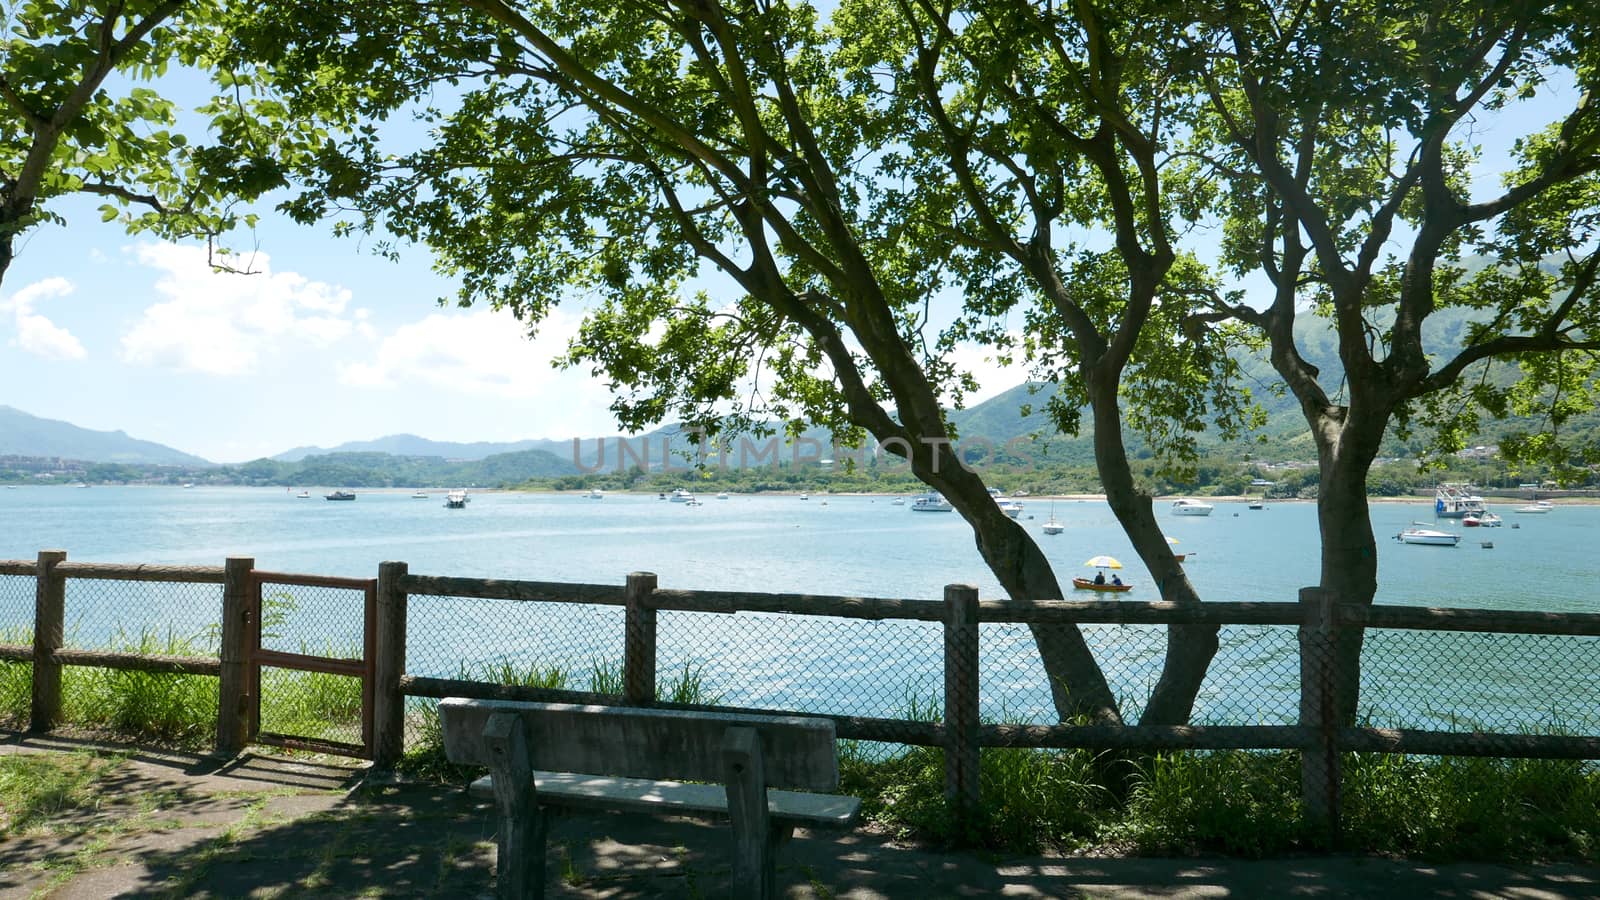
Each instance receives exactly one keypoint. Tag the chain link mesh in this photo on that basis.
(17, 593)
(313, 620)
(576, 646)
(154, 618)
(315, 705)
(1468, 681)
(815, 664)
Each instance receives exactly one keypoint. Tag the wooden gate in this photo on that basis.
(338, 594)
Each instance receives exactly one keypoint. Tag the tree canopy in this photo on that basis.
(79, 115)
(907, 176)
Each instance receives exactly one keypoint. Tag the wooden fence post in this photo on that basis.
(639, 645)
(233, 715)
(1319, 760)
(49, 633)
(961, 698)
(388, 703)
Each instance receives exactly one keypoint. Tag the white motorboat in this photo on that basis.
(303, 495)
(679, 495)
(420, 495)
(1187, 507)
(722, 496)
(1256, 504)
(1481, 520)
(1457, 500)
(933, 501)
(1421, 533)
(1010, 507)
(1536, 508)
(805, 496)
(188, 486)
(456, 500)
(595, 494)
(899, 501)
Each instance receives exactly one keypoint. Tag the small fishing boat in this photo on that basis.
(1088, 584)
(339, 495)
(1255, 504)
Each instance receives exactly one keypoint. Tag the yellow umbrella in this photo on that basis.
(1104, 562)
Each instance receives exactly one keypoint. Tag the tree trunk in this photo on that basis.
(1349, 549)
(1077, 685)
(1190, 648)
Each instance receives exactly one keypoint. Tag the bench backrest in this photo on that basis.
(798, 752)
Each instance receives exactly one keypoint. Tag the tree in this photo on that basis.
(74, 120)
(844, 178)
(1338, 131)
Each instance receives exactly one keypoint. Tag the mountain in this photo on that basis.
(22, 434)
(412, 445)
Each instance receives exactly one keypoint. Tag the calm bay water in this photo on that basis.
(848, 545)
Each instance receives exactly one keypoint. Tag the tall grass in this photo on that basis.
(161, 706)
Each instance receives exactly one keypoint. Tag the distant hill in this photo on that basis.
(412, 445)
(22, 434)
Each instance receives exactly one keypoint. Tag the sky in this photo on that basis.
(325, 343)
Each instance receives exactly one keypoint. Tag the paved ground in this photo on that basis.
(261, 826)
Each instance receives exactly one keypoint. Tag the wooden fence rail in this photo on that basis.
(1321, 622)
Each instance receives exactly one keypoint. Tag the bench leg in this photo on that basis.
(754, 841)
(521, 838)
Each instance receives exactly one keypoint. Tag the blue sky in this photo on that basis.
(325, 344)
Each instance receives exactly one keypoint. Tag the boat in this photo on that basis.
(419, 494)
(933, 501)
(722, 495)
(596, 494)
(899, 501)
(188, 486)
(805, 496)
(1421, 533)
(1482, 520)
(1087, 584)
(1186, 507)
(1456, 500)
(679, 495)
(1256, 504)
(692, 501)
(1010, 507)
(1532, 509)
(456, 500)
(303, 495)
(339, 495)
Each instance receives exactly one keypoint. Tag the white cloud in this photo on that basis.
(993, 378)
(222, 323)
(35, 333)
(481, 352)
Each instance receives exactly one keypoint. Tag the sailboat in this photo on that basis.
(1052, 526)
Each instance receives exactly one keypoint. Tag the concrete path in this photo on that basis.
(169, 825)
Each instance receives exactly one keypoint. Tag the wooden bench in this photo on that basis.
(544, 755)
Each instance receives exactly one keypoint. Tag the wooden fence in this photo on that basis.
(1322, 624)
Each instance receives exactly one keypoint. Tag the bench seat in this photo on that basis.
(675, 798)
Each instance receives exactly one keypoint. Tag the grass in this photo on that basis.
(36, 787)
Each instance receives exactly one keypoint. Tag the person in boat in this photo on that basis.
(1116, 580)
(1099, 578)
